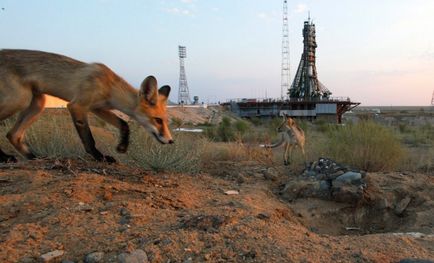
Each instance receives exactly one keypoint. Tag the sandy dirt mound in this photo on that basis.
(83, 207)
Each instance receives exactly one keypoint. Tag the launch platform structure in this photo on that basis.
(306, 85)
(285, 75)
(183, 93)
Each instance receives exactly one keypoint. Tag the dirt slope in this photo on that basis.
(82, 207)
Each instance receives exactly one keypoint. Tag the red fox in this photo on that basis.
(26, 76)
(291, 135)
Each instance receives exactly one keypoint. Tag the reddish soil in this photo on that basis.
(82, 207)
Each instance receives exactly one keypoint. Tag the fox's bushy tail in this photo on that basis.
(274, 145)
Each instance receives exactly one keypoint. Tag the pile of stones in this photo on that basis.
(326, 179)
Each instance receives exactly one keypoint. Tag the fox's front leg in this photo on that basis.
(79, 117)
(122, 125)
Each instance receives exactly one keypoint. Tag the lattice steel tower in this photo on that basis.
(183, 94)
(432, 99)
(285, 77)
(306, 84)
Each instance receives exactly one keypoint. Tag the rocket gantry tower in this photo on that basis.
(285, 74)
(306, 85)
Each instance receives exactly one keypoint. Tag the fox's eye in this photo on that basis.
(159, 121)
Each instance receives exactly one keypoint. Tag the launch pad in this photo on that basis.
(331, 109)
(307, 97)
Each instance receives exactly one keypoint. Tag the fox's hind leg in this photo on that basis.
(25, 119)
(285, 154)
(81, 123)
(11, 102)
(6, 158)
(122, 125)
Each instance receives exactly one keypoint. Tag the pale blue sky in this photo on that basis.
(378, 52)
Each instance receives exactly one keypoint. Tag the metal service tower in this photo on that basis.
(306, 85)
(285, 77)
(183, 94)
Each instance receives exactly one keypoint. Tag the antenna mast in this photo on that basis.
(183, 94)
(432, 99)
(285, 77)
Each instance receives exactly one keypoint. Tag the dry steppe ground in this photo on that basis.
(80, 206)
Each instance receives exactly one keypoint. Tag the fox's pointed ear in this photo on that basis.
(149, 90)
(164, 91)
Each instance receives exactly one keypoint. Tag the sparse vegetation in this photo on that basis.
(365, 145)
(177, 122)
(51, 136)
(182, 157)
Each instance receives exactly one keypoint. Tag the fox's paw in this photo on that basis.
(286, 163)
(108, 159)
(122, 148)
(8, 159)
(30, 156)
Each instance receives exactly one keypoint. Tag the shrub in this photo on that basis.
(241, 128)
(256, 121)
(420, 135)
(366, 145)
(52, 136)
(181, 157)
(225, 130)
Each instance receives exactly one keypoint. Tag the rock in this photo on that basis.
(84, 207)
(310, 173)
(325, 185)
(335, 174)
(270, 174)
(347, 193)
(409, 260)
(349, 177)
(52, 256)
(27, 260)
(137, 256)
(123, 211)
(94, 257)
(125, 216)
(208, 223)
(402, 205)
(263, 215)
(125, 220)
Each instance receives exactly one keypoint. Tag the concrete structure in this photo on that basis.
(330, 109)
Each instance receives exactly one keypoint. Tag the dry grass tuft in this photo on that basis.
(182, 157)
(365, 145)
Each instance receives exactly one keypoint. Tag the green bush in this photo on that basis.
(225, 130)
(365, 145)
